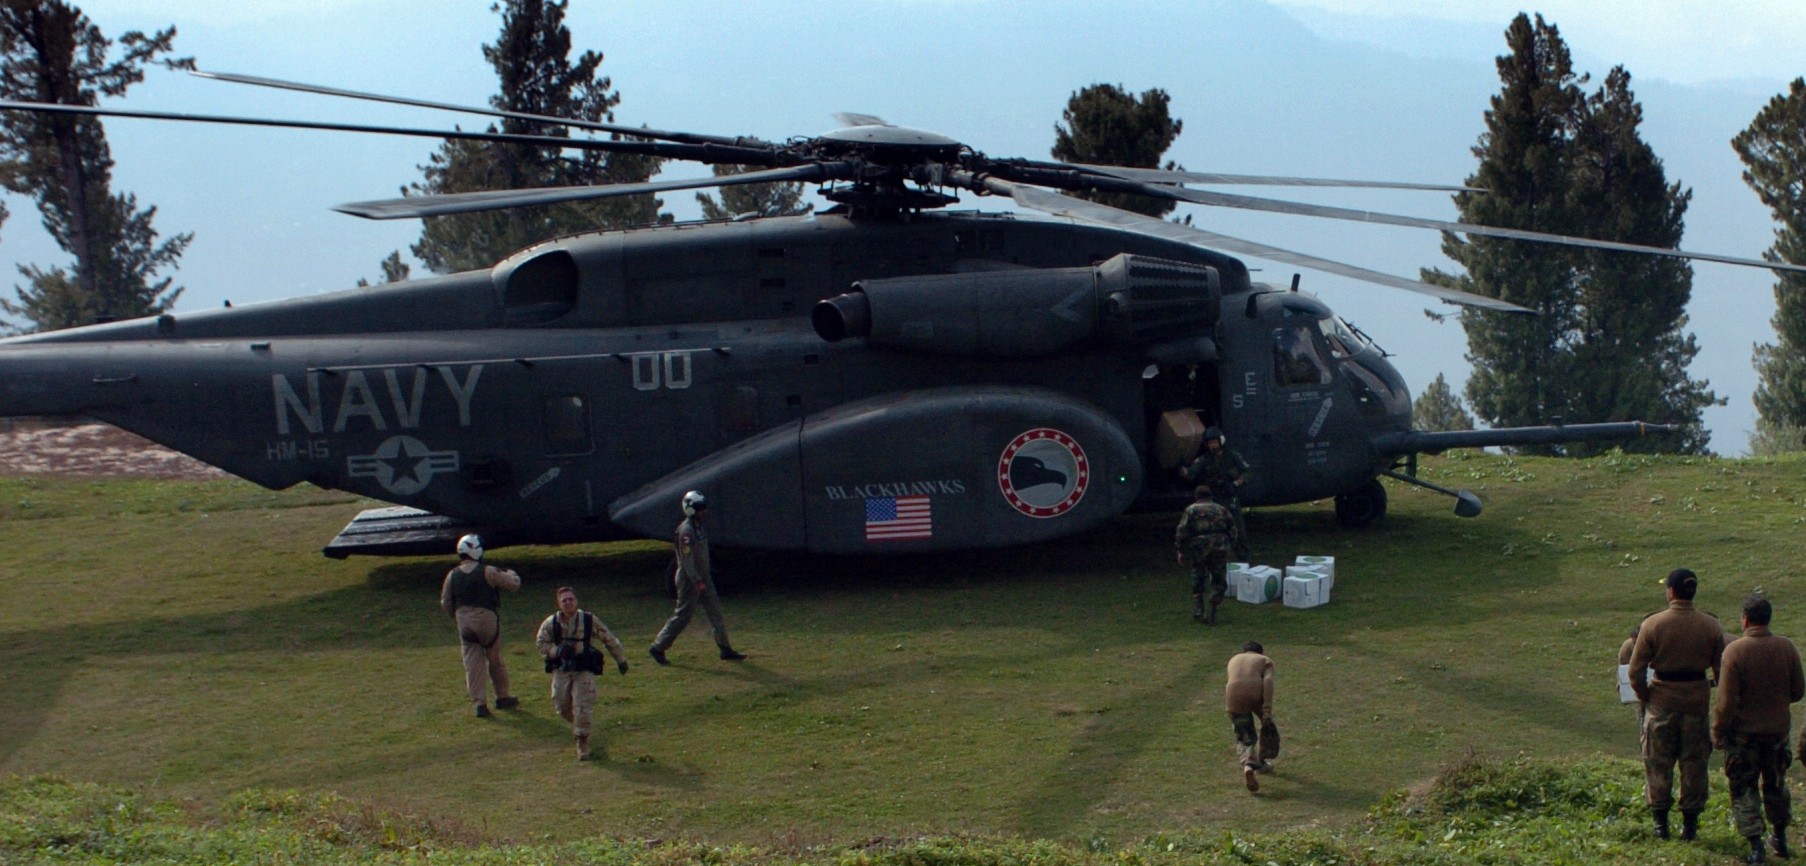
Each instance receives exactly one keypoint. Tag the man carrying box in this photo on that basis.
(1247, 692)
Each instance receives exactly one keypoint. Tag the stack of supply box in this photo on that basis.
(1309, 580)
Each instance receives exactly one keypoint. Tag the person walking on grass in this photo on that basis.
(1248, 694)
(472, 596)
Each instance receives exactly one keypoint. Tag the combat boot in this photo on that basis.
(1779, 841)
(1689, 826)
(1661, 822)
(1757, 853)
(728, 654)
(1197, 607)
(583, 747)
(482, 711)
(1211, 618)
(658, 655)
(507, 703)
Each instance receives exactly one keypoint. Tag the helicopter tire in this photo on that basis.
(1363, 506)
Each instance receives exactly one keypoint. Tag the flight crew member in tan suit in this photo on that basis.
(1759, 681)
(1247, 692)
(1681, 645)
(695, 583)
(472, 595)
(565, 640)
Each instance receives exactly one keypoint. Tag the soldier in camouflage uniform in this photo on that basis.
(1203, 538)
(1758, 680)
(1223, 471)
(1682, 646)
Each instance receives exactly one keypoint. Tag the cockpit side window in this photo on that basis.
(1295, 358)
(1343, 340)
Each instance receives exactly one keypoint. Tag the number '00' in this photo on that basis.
(652, 369)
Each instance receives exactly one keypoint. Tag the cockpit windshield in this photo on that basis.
(1343, 340)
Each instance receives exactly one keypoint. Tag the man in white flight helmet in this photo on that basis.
(472, 595)
(694, 583)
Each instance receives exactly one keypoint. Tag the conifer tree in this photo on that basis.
(1607, 344)
(51, 52)
(1773, 149)
(1104, 125)
(1630, 355)
(1438, 409)
(531, 61)
(780, 198)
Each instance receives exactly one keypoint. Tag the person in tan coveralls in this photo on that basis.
(1681, 645)
(1247, 692)
(694, 584)
(1758, 683)
(472, 595)
(565, 641)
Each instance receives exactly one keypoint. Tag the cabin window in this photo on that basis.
(567, 425)
(1295, 359)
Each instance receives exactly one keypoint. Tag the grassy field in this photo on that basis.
(187, 640)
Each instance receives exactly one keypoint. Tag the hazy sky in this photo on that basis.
(1340, 88)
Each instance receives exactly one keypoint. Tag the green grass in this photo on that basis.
(1475, 812)
(187, 640)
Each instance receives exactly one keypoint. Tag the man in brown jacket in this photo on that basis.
(1680, 645)
(1758, 682)
(1247, 691)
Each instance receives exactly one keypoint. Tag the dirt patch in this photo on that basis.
(91, 450)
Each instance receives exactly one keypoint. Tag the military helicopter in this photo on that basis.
(884, 376)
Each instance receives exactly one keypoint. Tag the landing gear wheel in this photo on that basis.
(1363, 506)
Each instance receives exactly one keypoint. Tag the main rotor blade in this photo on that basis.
(1045, 201)
(1223, 199)
(1164, 176)
(705, 153)
(470, 202)
(642, 132)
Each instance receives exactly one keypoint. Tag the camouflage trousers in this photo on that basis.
(1671, 737)
(574, 696)
(1209, 573)
(1247, 739)
(1756, 765)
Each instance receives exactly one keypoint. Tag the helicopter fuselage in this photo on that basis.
(574, 391)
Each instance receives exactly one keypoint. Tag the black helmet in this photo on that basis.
(1213, 433)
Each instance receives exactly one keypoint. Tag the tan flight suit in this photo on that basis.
(477, 611)
(695, 585)
(574, 690)
(1760, 678)
(1247, 692)
(1681, 645)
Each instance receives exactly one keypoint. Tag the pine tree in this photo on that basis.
(782, 198)
(1607, 343)
(394, 270)
(1104, 125)
(1773, 150)
(51, 52)
(1630, 355)
(531, 60)
(1438, 409)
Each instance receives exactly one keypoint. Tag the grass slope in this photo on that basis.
(188, 637)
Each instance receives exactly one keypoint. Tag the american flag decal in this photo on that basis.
(898, 519)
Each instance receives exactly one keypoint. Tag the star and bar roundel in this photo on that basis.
(1043, 472)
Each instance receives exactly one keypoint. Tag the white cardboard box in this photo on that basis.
(1324, 565)
(1329, 581)
(1626, 694)
(1259, 585)
(1310, 590)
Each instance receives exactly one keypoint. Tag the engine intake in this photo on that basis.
(1126, 301)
